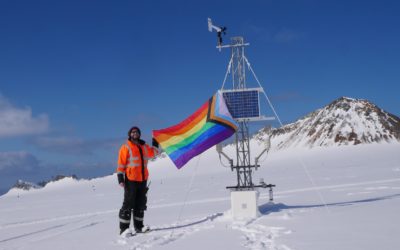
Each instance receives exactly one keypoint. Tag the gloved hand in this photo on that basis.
(121, 180)
(154, 143)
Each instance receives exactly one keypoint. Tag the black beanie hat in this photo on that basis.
(133, 128)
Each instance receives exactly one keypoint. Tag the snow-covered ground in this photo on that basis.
(344, 197)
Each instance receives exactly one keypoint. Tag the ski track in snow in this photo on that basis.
(166, 234)
(55, 234)
(202, 201)
(52, 231)
(255, 234)
(49, 220)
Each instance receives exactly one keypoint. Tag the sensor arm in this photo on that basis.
(220, 152)
(266, 149)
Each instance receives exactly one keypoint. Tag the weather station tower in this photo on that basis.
(244, 105)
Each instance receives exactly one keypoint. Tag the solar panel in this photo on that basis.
(242, 104)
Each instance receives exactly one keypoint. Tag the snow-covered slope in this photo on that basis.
(331, 197)
(25, 185)
(326, 198)
(346, 121)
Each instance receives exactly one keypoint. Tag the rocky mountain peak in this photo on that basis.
(345, 121)
(25, 185)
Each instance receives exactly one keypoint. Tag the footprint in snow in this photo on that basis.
(164, 235)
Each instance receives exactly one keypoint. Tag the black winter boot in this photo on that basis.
(124, 219)
(138, 220)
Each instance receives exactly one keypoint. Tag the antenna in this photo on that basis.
(219, 30)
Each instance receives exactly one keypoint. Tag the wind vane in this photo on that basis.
(219, 30)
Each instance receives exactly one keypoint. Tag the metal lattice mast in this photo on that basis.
(242, 103)
(243, 167)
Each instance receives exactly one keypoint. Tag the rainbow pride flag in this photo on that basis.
(208, 126)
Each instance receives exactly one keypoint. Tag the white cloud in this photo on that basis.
(63, 144)
(20, 121)
(73, 145)
(17, 162)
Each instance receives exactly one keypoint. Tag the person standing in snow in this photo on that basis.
(132, 175)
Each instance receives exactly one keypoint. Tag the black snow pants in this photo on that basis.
(135, 201)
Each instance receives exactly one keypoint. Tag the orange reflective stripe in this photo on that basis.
(146, 155)
(121, 168)
(132, 158)
(130, 153)
(136, 166)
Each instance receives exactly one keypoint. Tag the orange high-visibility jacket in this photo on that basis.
(132, 163)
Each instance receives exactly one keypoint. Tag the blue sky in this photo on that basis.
(75, 75)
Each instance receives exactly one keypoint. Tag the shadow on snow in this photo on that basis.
(273, 208)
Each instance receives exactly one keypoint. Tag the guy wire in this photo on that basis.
(297, 157)
(187, 193)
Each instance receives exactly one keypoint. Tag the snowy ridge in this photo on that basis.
(346, 121)
(57, 181)
(25, 185)
(360, 186)
(190, 208)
